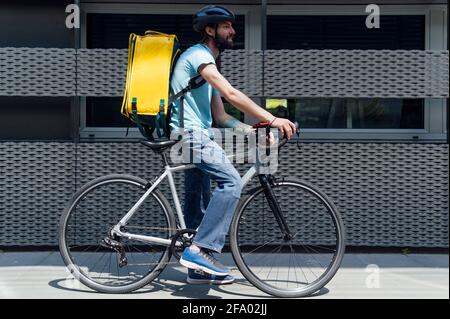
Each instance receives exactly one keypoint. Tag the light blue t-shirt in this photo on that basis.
(197, 102)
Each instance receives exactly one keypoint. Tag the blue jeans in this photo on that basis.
(211, 213)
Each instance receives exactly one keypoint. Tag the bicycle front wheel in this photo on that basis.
(98, 258)
(285, 267)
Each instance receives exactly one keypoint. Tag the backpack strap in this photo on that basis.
(160, 122)
(194, 83)
(182, 111)
(145, 131)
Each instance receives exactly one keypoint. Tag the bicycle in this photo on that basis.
(266, 238)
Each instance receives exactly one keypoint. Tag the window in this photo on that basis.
(349, 32)
(322, 113)
(31, 118)
(112, 31)
(345, 32)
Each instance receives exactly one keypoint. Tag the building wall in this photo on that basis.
(389, 194)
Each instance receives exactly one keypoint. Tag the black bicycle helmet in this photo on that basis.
(211, 14)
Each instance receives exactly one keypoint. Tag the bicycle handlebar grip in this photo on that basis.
(284, 140)
(260, 125)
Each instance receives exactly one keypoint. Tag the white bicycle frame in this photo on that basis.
(168, 170)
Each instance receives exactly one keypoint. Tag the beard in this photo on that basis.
(223, 43)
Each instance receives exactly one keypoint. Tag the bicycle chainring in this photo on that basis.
(184, 239)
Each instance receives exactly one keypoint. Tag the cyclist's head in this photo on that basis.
(215, 22)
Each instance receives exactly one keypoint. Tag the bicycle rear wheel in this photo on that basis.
(283, 267)
(102, 261)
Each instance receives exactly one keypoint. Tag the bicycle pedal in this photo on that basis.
(123, 261)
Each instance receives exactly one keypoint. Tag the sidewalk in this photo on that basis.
(43, 275)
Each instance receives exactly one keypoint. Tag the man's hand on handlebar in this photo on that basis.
(286, 127)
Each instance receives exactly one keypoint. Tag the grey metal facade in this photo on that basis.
(306, 73)
(37, 72)
(389, 194)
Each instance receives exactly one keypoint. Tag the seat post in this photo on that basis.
(164, 158)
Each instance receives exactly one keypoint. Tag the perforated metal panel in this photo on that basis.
(101, 72)
(243, 69)
(2, 71)
(37, 72)
(36, 179)
(110, 202)
(388, 194)
(98, 159)
(356, 73)
(284, 73)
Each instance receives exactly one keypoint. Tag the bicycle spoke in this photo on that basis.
(93, 267)
(289, 271)
(323, 247)
(128, 265)
(314, 258)
(295, 256)
(82, 252)
(270, 270)
(101, 272)
(264, 256)
(309, 267)
(146, 264)
(109, 269)
(259, 247)
(294, 261)
(117, 266)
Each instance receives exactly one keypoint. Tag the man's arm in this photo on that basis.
(223, 119)
(242, 102)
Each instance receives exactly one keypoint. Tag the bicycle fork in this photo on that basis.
(267, 182)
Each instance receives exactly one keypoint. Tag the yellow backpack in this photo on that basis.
(146, 100)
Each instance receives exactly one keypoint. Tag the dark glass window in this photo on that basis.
(345, 32)
(351, 113)
(31, 118)
(113, 30)
(105, 112)
(387, 113)
(349, 32)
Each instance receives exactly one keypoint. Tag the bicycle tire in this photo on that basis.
(248, 273)
(83, 192)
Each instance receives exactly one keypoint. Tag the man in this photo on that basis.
(211, 216)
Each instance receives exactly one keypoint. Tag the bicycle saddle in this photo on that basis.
(159, 145)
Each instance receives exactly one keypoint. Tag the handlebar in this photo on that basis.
(283, 140)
